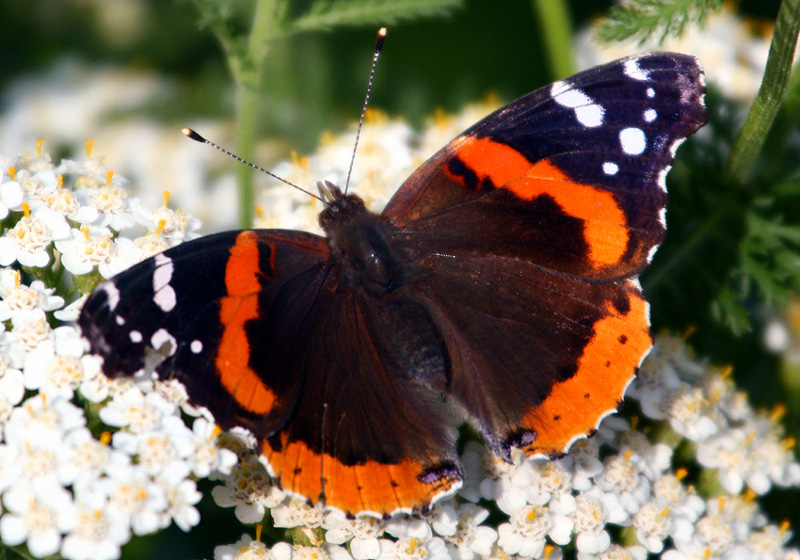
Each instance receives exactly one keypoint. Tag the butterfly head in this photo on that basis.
(339, 207)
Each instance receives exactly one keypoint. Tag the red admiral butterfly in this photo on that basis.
(501, 278)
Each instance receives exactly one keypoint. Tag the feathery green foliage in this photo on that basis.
(325, 14)
(642, 19)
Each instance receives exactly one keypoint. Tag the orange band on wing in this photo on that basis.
(242, 274)
(605, 225)
(370, 487)
(576, 406)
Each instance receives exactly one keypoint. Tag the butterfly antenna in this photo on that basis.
(375, 55)
(198, 138)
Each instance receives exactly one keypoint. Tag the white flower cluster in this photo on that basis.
(68, 485)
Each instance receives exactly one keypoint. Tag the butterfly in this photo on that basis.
(500, 283)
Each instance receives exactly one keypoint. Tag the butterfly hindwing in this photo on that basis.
(366, 433)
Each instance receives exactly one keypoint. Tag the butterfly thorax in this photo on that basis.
(361, 245)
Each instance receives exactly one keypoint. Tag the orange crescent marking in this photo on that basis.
(368, 487)
(242, 274)
(575, 406)
(605, 225)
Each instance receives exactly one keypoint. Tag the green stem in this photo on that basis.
(248, 75)
(556, 31)
(754, 131)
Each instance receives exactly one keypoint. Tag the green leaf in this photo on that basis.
(329, 13)
(643, 19)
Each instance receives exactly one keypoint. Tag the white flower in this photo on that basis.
(473, 460)
(19, 297)
(134, 499)
(691, 415)
(42, 423)
(204, 454)
(402, 525)
(443, 519)
(174, 225)
(36, 516)
(584, 463)
(182, 496)
(769, 542)
(95, 387)
(298, 513)
(621, 476)
(30, 238)
(56, 366)
(652, 523)
(617, 552)
(247, 548)
(506, 482)
(137, 411)
(526, 531)
(249, 489)
(86, 458)
(12, 389)
(30, 329)
(10, 466)
(11, 196)
(413, 548)
(589, 520)
(116, 208)
(95, 535)
(470, 538)
(727, 453)
(65, 202)
(362, 533)
(86, 248)
(669, 491)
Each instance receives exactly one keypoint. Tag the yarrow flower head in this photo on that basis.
(88, 463)
(69, 489)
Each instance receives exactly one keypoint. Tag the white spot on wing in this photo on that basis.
(119, 319)
(196, 346)
(112, 294)
(651, 92)
(135, 336)
(164, 293)
(588, 113)
(161, 338)
(633, 141)
(165, 298)
(632, 70)
(650, 115)
(610, 168)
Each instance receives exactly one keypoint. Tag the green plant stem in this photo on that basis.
(556, 31)
(248, 74)
(754, 131)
